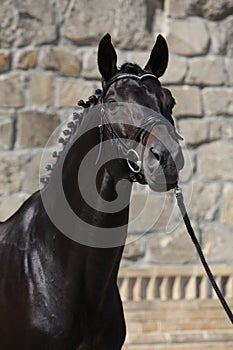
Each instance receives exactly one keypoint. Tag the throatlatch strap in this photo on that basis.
(180, 202)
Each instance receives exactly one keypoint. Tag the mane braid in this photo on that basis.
(69, 132)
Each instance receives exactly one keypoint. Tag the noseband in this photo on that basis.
(133, 159)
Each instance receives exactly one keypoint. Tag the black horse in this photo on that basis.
(58, 277)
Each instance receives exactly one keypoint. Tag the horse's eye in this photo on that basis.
(113, 105)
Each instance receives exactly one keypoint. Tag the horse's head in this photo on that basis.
(145, 110)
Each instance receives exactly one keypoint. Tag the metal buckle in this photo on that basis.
(138, 162)
(178, 190)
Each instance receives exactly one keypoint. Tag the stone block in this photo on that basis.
(218, 100)
(227, 128)
(4, 61)
(62, 60)
(25, 59)
(89, 67)
(34, 128)
(173, 248)
(27, 23)
(175, 8)
(215, 127)
(229, 70)
(31, 179)
(205, 201)
(87, 22)
(6, 134)
(11, 91)
(188, 38)
(215, 160)
(213, 10)
(217, 243)
(206, 71)
(73, 90)
(196, 131)
(10, 204)
(221, 33)
(188, 100)
(9, 174)
(42, 89)
(227, 212)
(176, 70)
(149, 212)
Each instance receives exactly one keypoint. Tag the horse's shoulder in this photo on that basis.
(21, 220)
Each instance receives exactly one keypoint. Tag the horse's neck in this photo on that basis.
(89, 193)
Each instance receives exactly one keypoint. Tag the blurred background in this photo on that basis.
(48, 61)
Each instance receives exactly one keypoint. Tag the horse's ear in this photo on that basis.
(107, 58)
(158, 60)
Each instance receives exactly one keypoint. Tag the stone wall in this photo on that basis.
(48, 62)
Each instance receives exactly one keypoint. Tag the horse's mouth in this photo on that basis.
(161, 187)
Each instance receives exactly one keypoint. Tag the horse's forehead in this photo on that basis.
(133, 87)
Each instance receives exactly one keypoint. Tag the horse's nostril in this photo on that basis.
(155, 154)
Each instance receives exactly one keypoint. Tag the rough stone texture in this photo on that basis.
(34, 128)
(210, 9)
(206, 71)
(26, 22)
(229, 70)
(11, 91)
(149, 212)
(227, 128)
(6, 134)
(204, 201)
(217, 243)
(216, 161)
(197, 131)
(73, 90)
(9, 174)
(86, 22)
(218, 101)
(173, 248)
(62, 60)
(187, 38)
(175, 8)
(25, 59)
(188, 100)
(221, 36)
(41, 89)
(31, 176)
(10, 205)
(176, 70)
(4, 61)
(227, 213)
(90, 67)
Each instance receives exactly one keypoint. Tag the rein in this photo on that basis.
(180, 202)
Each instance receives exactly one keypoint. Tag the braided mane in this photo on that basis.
(70, 131)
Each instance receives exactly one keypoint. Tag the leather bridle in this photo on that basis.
(134, 161)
